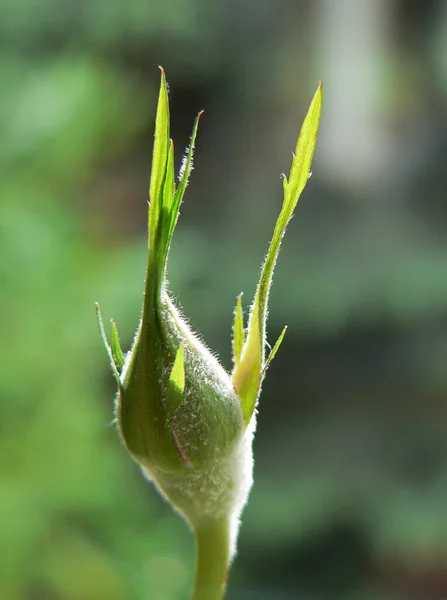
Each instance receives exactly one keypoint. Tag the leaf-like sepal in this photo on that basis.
(166, 226)
(302, 159)
(186, 167)
(176, 384)
(158, 171)
(118, 355)
(274, 350)
(249, 371)
(165, 199)
(238, 330)
(106, 344)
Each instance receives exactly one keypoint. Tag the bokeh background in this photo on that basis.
(350, 496)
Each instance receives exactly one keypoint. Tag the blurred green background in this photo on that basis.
(350, 495)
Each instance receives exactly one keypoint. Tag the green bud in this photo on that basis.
(184, 419)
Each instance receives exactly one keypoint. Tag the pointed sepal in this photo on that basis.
(304, 152)
(176, 384)
(107, 347)
(117, 353)
(186, 168)
(249, 371)
(166, 226)
(159, 160)
(165, 199)
(274, 350)
(238, 330)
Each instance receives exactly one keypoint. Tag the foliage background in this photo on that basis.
(351, 473)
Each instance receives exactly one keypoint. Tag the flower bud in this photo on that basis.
(184, 419)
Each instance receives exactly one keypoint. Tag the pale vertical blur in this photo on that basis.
(352, 43)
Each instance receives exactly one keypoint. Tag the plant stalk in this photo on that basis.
(213, 560)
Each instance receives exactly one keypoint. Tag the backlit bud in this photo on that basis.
(184, 419)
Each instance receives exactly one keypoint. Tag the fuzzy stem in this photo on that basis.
(213, 560)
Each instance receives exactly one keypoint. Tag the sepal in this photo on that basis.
(249, 371)
(238, 330)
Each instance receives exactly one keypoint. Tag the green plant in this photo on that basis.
(184, 419)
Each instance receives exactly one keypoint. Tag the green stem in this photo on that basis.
(213, 560)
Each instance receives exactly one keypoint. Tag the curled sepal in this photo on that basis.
(249, 370)
(238, 330)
